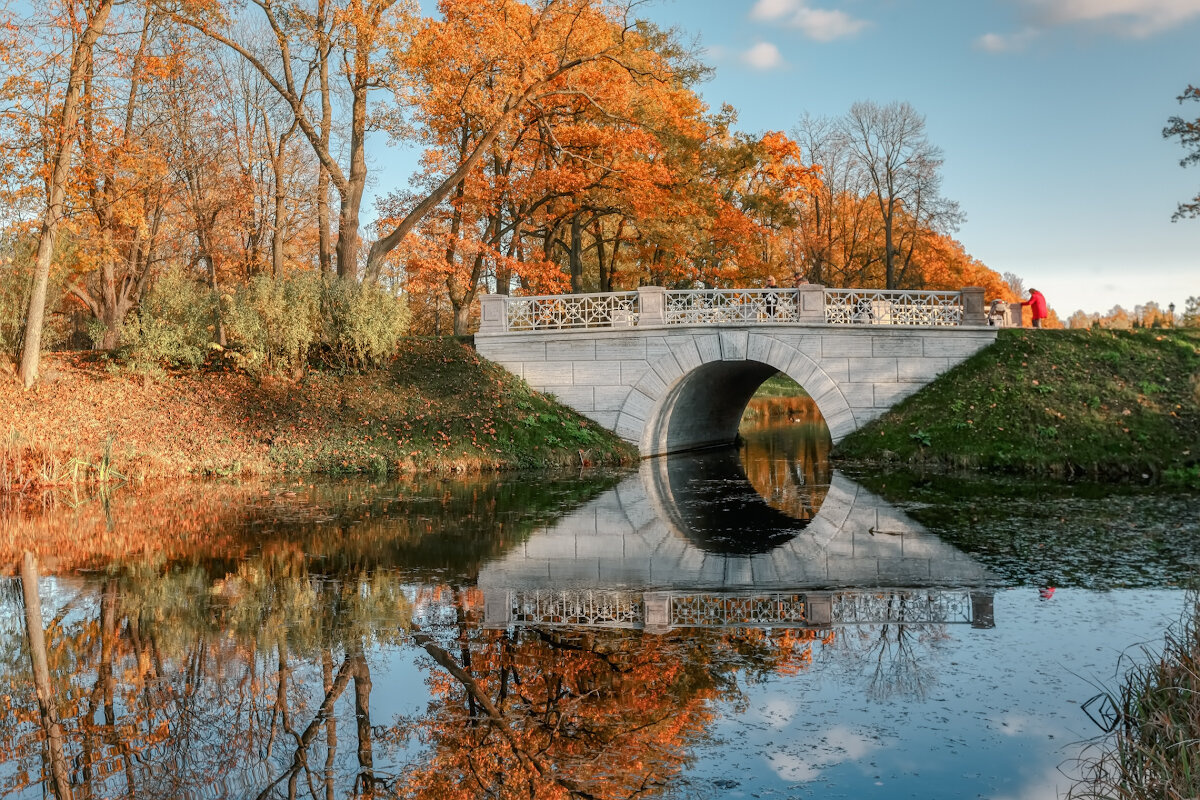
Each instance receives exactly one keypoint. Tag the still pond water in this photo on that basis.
(745, 623)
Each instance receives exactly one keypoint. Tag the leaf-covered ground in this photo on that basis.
(438, 408)
(1063, 402)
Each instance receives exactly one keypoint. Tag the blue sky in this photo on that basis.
(1049, 114)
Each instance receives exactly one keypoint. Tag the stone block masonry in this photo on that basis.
(680, 387)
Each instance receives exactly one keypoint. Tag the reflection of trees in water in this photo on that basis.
(893, 658)
(785, 452)
(571, 713)
(167, 682)
(428, 526)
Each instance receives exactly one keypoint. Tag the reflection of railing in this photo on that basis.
(605, 310)
(726, 610)
(577, 608)
(901, 607)
(664, 610)
(871, 307)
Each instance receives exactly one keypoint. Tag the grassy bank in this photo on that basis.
(438, 408)
(1099, 403)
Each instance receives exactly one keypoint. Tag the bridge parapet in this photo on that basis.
(654, 306)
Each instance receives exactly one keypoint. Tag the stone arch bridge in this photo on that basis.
(673, 370)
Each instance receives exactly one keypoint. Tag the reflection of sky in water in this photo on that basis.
(1001, 717)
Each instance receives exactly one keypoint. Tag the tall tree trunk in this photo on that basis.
(362, 715)
(59, 769)
(324, 246)
(331, 740)
(601, 264)
(35, 318)
(576, 255)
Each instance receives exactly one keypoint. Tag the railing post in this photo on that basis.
(1014, 316)
(652, 306)
(811, 303)
(656, 606)
(493, 313)
(972, 302)
(818, 610)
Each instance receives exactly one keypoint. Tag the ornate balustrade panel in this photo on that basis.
(628, 609)
(715, 306)
(551, 312)
(584, 608)
(898, 606)
(879, 307)
(737, 611)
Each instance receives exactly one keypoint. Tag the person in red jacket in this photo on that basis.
(1038, 303)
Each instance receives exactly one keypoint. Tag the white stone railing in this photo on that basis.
(718, 306)
(652, 306)
(603, 310)
(879, 307)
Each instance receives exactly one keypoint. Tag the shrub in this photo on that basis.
(363, 324)
(14, 299)
(16, 283)
(271, 324)
(171, 326)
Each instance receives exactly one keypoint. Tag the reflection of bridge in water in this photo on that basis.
(687, 542)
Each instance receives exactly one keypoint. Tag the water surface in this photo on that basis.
(742, 623)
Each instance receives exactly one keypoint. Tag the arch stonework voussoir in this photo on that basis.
(646, 416)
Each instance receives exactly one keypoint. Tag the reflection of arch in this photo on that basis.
(628, 538)
(694, 393)
(707, 498)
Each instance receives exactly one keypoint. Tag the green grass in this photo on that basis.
(780, 385)
(439, 408)
(1111, 403)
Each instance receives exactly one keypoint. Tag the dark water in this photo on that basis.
(749, 623)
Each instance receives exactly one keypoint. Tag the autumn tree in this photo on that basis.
(890, 145)
(1191, 313)
(837, 229)
(535, 119)
(83, 23)
(1188, 133)
(123, 178)
(315, 48)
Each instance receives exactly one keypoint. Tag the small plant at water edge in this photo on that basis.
(1153, 752)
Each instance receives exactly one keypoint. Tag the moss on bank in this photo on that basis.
(439, 407)
(1099, 403)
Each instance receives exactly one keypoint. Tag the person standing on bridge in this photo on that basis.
(1037, 303)
(770, 297)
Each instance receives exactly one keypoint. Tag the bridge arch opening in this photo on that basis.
(703, 407)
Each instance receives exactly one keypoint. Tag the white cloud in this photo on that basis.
(825, 26)
(839, 744)
(1006, 43)
(774, 9)
(763, 55)
(820, 24)
(1137, 18)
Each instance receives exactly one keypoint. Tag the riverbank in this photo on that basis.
(1065, 403)
(438, 408)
